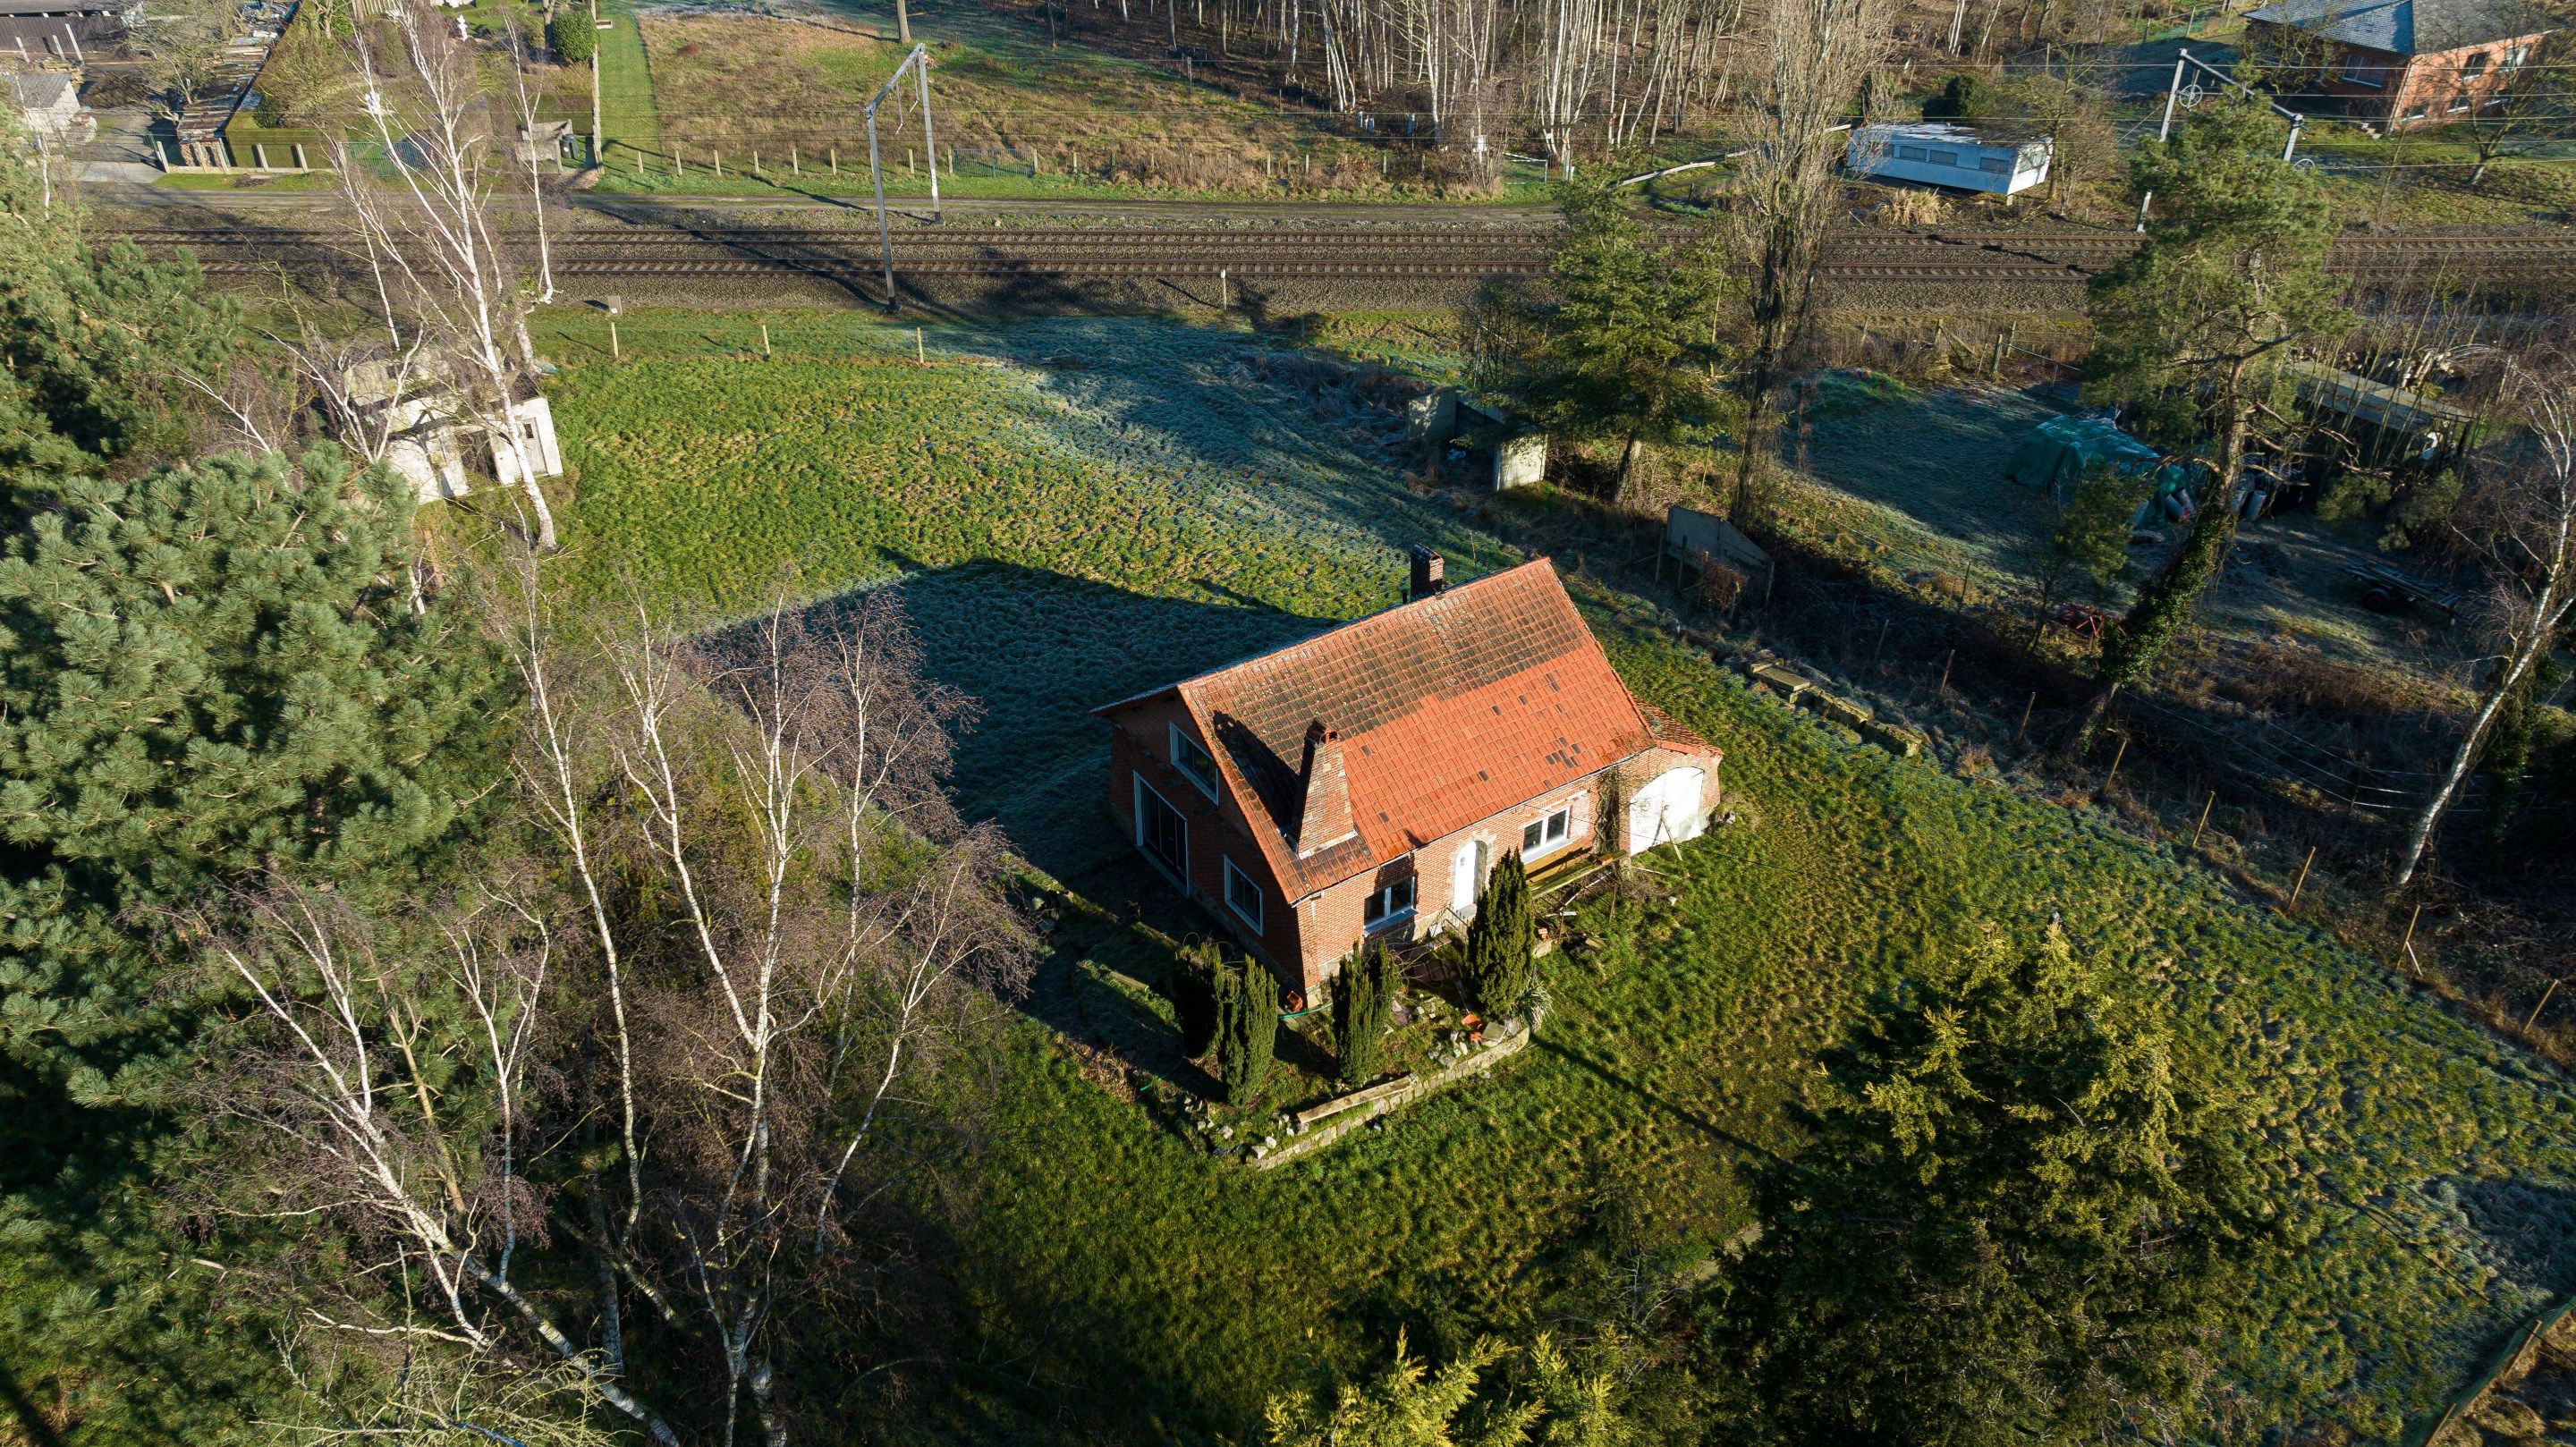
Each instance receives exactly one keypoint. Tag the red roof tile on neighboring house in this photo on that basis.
(1446, 711)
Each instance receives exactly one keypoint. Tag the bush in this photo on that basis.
(1247, 1023)
(573, 36)
(1363, 1008)
(1193, 996)
(1498, 943)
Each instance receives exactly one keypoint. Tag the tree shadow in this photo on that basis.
(1037, 651)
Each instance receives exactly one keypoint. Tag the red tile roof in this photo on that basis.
(1447, 711)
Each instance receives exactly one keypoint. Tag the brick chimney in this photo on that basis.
(1426, 581)
(1326, 817)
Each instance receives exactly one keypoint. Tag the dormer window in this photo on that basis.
(1193, 761)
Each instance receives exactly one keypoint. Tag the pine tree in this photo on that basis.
(1619, 347)
(1363, 1007)
(2022, 1213)
(1247, 1025)
(1498, 940)
(208, 672)
(2197, 329)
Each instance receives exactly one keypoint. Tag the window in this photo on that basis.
(1193, 761)
(2357, 69)
(2474, 66)
(1994, 165)
(1161, 831)
(2460, 102)
(1242, 895)
(1912, 153)
(1388, 905)
(2514, 58)
(1541, 835)
(2415, 113)
(1946, 158)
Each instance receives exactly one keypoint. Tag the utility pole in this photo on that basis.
(598, 142)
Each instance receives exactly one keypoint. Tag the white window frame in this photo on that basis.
(1180, 740)
(1393, 915)
(1143, 791)
(2359, 68)
(1252, 886)
(1546, 845)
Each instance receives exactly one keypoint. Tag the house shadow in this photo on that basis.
(1036, 651)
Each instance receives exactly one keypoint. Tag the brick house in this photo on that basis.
(2401, 63)
(1365, 780)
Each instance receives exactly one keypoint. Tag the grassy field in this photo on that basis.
(1078, 508)
(1014, 118)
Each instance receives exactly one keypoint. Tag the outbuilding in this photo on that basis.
(1936, 153)
(2401, 63)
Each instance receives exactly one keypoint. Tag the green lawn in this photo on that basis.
(1078, 508)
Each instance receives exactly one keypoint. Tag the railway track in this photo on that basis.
(1357, 253)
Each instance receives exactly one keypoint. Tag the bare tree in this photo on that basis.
(2526, 521)
(433, 240)
(761, 930)
(434, 1175)
(779, 794)
(184, 42)
(2529, 106)
(1820, 54)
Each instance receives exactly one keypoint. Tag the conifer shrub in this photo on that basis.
(1498, 941)
(1363, 1008)
(573, 36)
(1193, 995)
(1247, 1024)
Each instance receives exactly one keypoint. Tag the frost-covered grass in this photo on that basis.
(1159, 498)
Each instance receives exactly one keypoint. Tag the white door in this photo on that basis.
(1665, 810)
(1462, 880)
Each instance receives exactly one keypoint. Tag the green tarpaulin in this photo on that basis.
(2058, 452)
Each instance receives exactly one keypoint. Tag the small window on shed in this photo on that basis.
(1994, 165)
(1945, 158)
(1912, 153)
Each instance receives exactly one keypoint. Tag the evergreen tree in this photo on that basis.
(1363, 1007)
(2023, 1215)
(1194, 994)
(207, 672)
(1499, 938)
(93, 342)
(1247, 1025)
(2197, 328)
(1619, 346)
(573, 36)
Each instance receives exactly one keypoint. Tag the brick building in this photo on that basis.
(2400, 63)
(1367, 779)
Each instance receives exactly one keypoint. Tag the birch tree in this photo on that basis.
(445, 278)
(2526, 522)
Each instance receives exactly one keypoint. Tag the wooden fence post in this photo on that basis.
(2534, 1017)
(2117, 755)
(2302, 881)
(1946, 660)
(2211, 803)
(2025, 718)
